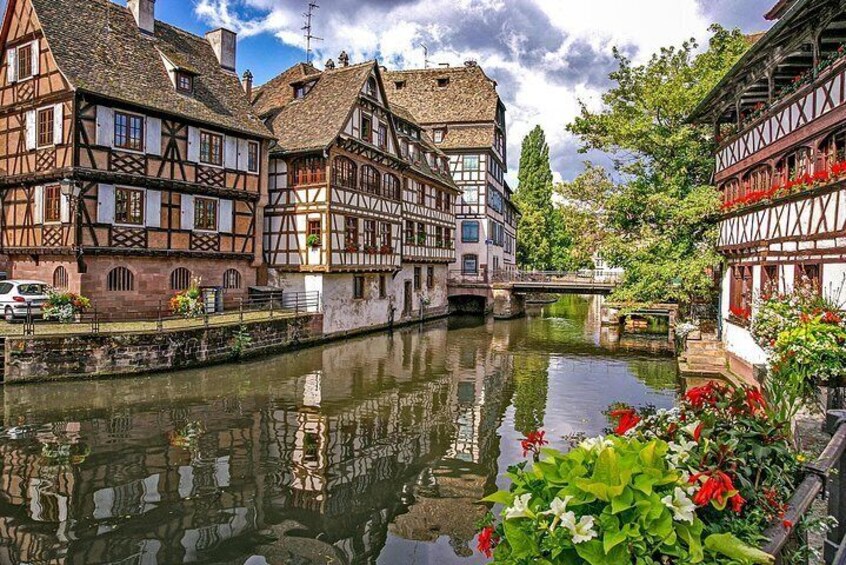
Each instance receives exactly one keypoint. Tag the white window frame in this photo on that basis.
(143, 192)
(194, 227)
(35, 63)
(115, 146)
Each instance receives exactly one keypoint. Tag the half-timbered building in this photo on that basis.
(462, 112)
(131, 160)
(780, 119)
(334, 221)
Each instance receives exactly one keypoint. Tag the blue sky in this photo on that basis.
(546, 55)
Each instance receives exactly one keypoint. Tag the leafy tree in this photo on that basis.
(660, 214)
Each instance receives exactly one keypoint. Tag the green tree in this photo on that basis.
(660, 214)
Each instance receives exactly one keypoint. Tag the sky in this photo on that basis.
(545, 55)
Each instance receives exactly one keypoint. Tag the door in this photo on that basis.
(407, 299)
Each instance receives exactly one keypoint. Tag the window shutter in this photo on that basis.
(154, 209)
(224, 215)
(58, 124)
(106, 204)
(105, 126)
(38, 205)
(30, 130)
(64, 210)
(12, 65)
(230, 152)
(154, 136)
(193, 144)
(243, 154)
(187, 212)
(36, 57)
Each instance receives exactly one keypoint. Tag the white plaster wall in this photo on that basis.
(725, 294)
(438, 296)
(834, 281)
(738, 340)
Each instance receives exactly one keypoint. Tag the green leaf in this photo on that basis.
(733, 548)
(622, 502)
(500, 497)
(593, 552)
(522, 544)
(691, 534)
(608, 479)
(612, 539)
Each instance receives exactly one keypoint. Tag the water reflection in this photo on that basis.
(373, 449)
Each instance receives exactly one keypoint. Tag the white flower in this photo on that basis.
(595, 443)
(691, 428)
(519, 508)
(558, 508)
(581, 531)
(682, 507)
(680, 452)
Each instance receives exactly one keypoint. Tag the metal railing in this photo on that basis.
(586, 277)
(253, 308)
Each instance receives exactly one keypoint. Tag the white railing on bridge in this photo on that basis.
(585, 276)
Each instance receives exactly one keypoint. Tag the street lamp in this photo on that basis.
(72, 191)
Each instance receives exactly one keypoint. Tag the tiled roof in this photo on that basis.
(426, 142)
(466, 137)
(278, 91)
(314, 121)
(100, 50)
(468, 96)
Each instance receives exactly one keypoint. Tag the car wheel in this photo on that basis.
(9, 315)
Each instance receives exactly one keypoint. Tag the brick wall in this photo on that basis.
(98, 355)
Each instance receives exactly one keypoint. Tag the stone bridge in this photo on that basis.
(504, 293)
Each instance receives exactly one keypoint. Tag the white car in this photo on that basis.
(18, 297)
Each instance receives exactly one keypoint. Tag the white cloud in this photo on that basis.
(545, 54)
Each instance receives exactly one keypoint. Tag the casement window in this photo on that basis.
(22, 62)
(211, 148)
(439, 236)
(438, 135)
(421, 234)
(25, 62)
(129, 131)
(421, 195)
(439, 199)
(470, 264)
(448, 238)
(343, 172)
(367, 129)
(370, 233)
(809, 274)
(409, 232)
(382, 137)
(314, 229)
(383, 286)
(471, 195)
(386, 236)
(205, 214)
(794, 165)
(417, 283)
(358, 287)
(53, 203)
(370, 179)
(351, 231)
(391, 187)
(470, 231)
(757, 179)
(447, 202)
(45, 127)
(740, 291)
(430, 277)
(308, 171)
(129, 206)
(184, 82)
(252, 157)
(470, 163)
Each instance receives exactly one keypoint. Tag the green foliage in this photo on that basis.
(64, 306)
(189, 302)
(241, 341)
(659, 216)
(531, 383)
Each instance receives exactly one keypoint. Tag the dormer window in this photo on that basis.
(439, 135)
(443, 82)
(184, 82)
(300, 90)
(371, 87)
(399, 84)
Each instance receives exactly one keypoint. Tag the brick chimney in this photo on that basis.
(223, 43)
(248, 84)
(144, 12)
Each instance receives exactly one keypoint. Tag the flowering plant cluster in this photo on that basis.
(790, 186)
(740, 314)
(189, 302)
(696, 484)
(64, 306)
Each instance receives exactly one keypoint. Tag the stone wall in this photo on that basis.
(98, 355)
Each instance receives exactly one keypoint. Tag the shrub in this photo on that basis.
(189, 302)
(64, 306)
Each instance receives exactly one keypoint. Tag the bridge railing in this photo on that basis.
(587, 277)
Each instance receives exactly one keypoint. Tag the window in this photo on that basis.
(211, 148)
(129, 206)
(387, 239)
(370, 233)
(180, 279)
(370, 89)
(231, 279)
(60, 278)
(447, 202)
(367, 129)
(45, 127)
(252, 156)
(758, 179)
(369, 179)
(448, 238)
(809, 274)
(308, 171)
(438, 135)
(343, 172)
(740, 292)
(439, 236)
(769, 278)
(471, 194)
(205, 214)
(391, 187)
(399, 84)
(470, 264)
(25, 61)
(351, 233)
(470, 231)
(470, 162)
(439, 199)
(120, 279)
(430, 277)
(358, 287)
(313, 229)
(53, 203)
(443, 82)
(382, 137)
(409, 232)
(421, 234)
(494, 199)
(383, 286)
(184, 82)
(794, 165)
(417, 284)
(421, 195)
(129, 131)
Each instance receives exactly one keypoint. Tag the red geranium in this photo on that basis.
(831, 318)
(487, 541)
(755, 400)
(533, 442)
(626, 419)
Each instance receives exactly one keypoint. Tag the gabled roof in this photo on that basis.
(469, 137)
(422, 166)
(99, 48)
(314, 121)
(469, 96)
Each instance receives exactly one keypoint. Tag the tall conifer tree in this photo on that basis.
(537, 230)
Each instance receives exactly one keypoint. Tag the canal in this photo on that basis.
(370, 450)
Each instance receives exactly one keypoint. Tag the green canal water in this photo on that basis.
(371, 450)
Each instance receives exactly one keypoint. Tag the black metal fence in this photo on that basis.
(270, 304)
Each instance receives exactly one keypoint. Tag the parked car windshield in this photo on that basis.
(32, 289)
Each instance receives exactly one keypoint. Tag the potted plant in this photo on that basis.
(64, 306)
(189, 302)
(421, 239)
(370, 249)
(313, 240)
(386, 250)
(352, 247)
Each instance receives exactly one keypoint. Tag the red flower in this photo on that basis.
(697, 433)
(755, 400)
(787, 524)
(716, 488)
(626, 419)
(737, 503)
(708, 393)
(831, 318)
(487, 541)
(533, 442)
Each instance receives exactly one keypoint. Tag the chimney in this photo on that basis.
(223, 43)
(344, 59)
(144, 12)
(330, 65)
(248, 84)
(470, 63)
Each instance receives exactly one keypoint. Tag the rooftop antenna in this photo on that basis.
(426, 60)
(312, 6)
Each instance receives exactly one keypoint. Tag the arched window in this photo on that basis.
(343, 172)
(794, 165)
(308, 170)
(833, 149)
(120, 279)
(60, 278)
(369, 179)
(391, 186)
(757, 179)
(180, 279)
(731, 190)
(231, 279)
